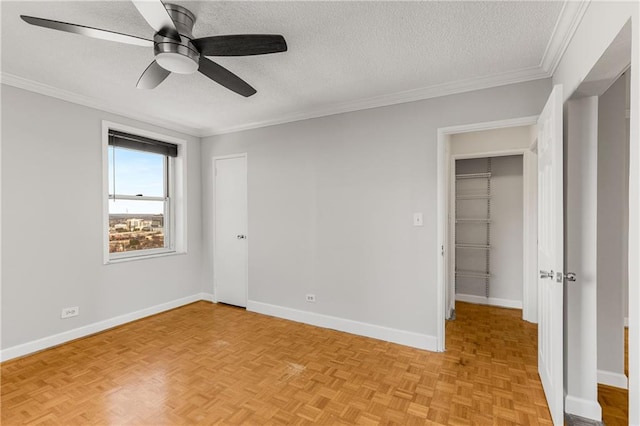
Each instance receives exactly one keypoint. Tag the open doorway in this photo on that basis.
(597, 235)
(613, 231)
(545, 153)
(516, 137)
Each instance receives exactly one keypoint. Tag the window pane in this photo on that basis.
(136, 172)
(136, 225)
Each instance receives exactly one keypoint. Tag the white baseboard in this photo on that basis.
(407, 338)
(76, 333)
(493, 301)
(589, 409)
(207, 296)
(609, 378)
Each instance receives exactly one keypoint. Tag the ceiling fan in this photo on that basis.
(175, 48)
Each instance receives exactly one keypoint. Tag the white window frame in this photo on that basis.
(175, 209)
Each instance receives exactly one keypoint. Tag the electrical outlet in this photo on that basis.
(417, 219)
(70, 312)
(311, 298)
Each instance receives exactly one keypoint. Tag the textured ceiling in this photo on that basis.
(342, 55)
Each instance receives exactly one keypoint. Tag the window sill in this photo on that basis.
(143, 256)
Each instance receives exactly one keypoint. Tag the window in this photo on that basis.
(141, 175)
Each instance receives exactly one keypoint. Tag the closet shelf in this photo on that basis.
(472, 274)
(474, 176)
(468, 219)
(473, 246)
(473, 197)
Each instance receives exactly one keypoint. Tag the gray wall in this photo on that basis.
(494, 140)
(613, 201)
(506, 227)
(52, 254)
(331, 203)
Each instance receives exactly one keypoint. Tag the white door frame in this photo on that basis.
(444, 188)
(213, 221)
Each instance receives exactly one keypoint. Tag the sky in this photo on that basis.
(136, 172)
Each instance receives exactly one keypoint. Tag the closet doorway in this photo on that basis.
(511, 147)
(488, 231)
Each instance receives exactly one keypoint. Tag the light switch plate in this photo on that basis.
(417, 219)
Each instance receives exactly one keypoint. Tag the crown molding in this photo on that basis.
(566, 25)
(65, 95)
(461, 86)
(456, 87)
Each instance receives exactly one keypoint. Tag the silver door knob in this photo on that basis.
(545, 274)
(570, 276)
(241, 237)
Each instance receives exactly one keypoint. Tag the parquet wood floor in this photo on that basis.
(215, 364)
(615, 401)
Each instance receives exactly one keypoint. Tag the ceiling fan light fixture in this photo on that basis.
(175, 62)
(174, 47)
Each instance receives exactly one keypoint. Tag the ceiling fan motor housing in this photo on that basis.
(179, 57)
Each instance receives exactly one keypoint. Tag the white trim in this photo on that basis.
(582, 407)
(150, 254)
(530, 237)
(626, 322)
(442, 273)
(435, 91)
(208, 297)
(402, 337)
(450, 260)
(609, 378)
(483, 154)
(105, 191)
(65, 95)
(529, 120)
(443, 188)
(566, 25)
(213, 221)
(176, 227)
(429, 92)
(87, 330)
(226, 157)
(407, 338)
(492, 301)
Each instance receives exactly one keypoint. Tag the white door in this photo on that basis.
(230, 243)
(551, 254)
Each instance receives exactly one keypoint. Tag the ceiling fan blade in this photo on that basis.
(152, 76)
(225, 77)
(87, 31)
(154, 12)
(240, 44)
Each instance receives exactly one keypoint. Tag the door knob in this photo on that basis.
(241, 237)
(570, 276)
(545, 274)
